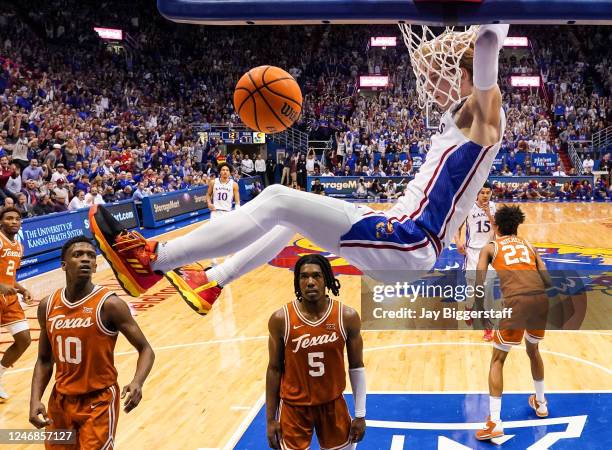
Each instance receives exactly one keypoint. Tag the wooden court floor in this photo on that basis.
(209, 373)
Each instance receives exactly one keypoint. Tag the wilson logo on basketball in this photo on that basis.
(306, 341)
(289, 112)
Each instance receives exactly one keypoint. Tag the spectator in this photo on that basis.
(23, 206)
(317, 187)
(44, 206)
(247, 166)
(558, 171)
(33, 171)
(61, 191)
(139, 193)
(13, 184)
(270, 170)
(93, 197)
(59, 174)
(78, 201)
(587, 165)
(260, 169)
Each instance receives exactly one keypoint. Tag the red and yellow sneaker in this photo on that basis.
(491, 430)
(129, 254)
(193, 285)
(540, 408)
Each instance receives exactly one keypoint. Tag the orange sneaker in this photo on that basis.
(540, 408)
(491, 430)
(488, 335)
(129, 254)
(194, 287)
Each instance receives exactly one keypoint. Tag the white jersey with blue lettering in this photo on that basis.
(413, 233)
(223, 195)
(478, 228)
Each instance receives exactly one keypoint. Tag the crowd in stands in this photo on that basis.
(84, 123)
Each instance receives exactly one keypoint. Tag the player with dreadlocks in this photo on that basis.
(331, 283)
(306, 374)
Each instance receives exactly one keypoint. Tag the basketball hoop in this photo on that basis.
(437, 57)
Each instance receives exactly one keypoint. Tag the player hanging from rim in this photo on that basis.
(478, 233)
(306, 375)
(523, 280)
(79, 328)
(12, 316)
(457, 71)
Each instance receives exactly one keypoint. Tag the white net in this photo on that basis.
(436, 58)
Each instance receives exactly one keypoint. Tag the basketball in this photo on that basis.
(268, 99)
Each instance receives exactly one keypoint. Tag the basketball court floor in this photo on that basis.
(426, 389)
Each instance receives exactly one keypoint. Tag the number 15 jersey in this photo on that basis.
(314, 356)
(82, 346)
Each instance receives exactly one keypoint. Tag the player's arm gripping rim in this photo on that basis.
(486, 257)
(209, 195)
(486, 99)
(357, 374)
(115, 312)
(43, 370)
(276, 351)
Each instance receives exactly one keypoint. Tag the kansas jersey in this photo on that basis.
(515, 263)
(314, 356)
(412, 234)
(223, 195)
(82, 346)
(10, 260)
(478, 227)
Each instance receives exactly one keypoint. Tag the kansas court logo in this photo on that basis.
(289, 255)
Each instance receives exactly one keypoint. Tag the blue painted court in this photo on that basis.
(577, 421)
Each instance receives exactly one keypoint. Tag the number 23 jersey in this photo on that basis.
(314, 356)
(82, 346)
(515, 262)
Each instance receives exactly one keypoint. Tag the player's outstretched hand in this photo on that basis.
(134, 395)
(358, 426)
(38, 415)
(27, 297)
(274, 434)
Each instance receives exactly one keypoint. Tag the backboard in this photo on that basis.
(426, 12)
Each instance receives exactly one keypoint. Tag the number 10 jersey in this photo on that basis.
(82, 346)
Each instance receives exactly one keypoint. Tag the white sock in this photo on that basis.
(2, 370)
(495, 408)
(539, 388)
(259, 252)
(216, 273)
(323, 220)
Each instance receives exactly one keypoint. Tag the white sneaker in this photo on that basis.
(3, 395)
(540, 408)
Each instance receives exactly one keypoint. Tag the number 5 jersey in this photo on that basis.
(314, 356)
